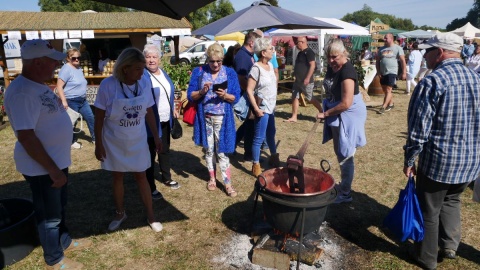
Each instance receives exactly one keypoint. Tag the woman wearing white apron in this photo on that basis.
(123, 106)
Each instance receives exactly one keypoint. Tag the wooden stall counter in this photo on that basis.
(93, 82)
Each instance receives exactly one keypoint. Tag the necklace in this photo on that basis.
(134, 92)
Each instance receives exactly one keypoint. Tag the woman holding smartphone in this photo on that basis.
(215, 89)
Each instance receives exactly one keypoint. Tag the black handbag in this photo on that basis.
(176, 132)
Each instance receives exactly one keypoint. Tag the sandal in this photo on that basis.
(231, 191)
(212, 184)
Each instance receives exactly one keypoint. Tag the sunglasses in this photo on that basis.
(75, 58)
(215, 61)
(430, 49)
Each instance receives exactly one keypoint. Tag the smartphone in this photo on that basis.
(223, 85)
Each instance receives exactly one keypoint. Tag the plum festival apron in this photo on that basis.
(125, 135)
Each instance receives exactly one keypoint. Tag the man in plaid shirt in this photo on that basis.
(444, 133)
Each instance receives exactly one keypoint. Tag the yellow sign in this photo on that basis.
(377, 36)
(377, 44)
(377, 27)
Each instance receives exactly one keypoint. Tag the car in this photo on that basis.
(198, 50)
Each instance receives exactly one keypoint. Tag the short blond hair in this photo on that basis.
(215, 50)
(128, 57)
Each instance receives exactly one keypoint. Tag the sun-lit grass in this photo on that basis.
(197, 222)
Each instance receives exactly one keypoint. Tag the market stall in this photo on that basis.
(113, 31)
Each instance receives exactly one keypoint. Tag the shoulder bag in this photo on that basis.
(190, 110)
(258, 100)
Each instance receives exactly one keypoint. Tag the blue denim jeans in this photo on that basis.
(80, 105)
(49, 204)
(264, 129)
(347, 166)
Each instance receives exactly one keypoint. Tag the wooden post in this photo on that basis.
(176, 40)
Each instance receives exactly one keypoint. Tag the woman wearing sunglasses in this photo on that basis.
(215, 89)
(72, 90)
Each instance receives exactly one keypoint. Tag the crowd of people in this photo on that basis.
(134, 113)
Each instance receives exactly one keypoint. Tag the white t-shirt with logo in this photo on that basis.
(31, 105)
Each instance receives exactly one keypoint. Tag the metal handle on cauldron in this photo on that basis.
(322, 166)
(264, 185)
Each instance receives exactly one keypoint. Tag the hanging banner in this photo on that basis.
(31, 35)
(88, 34)
(74, 34)
(176, 32)
(14, 35)
(61, 34)
(47, 34)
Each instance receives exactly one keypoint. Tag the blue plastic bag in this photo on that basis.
(405, 220)
(241, 107)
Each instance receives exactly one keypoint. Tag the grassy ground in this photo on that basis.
(197, 222)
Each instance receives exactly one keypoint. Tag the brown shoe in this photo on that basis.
(78, 244)
(66, 263)
(256, 169)
(274, 160)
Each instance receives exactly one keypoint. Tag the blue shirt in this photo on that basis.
(243, 61)
(444, 124)
(467, 50)
(75, 83)
(212, 103)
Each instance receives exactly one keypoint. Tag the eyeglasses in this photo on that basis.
(75, 58)
(301, 41)
(215, 61)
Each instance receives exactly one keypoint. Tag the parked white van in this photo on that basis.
(198, 50)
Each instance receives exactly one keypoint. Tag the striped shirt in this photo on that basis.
(444, 124)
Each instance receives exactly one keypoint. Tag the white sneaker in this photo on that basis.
(156, 226)
(76, 145)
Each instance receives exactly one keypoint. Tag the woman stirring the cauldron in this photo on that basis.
(344, 112)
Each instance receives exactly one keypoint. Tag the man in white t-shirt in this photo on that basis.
(42, 151)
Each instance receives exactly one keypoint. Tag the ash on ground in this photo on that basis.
(237, 253)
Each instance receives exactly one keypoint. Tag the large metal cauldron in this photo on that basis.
(283, 209)
(18, 232)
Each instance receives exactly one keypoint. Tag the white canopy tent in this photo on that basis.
(467, 31)
(349, 29)
(419, 33)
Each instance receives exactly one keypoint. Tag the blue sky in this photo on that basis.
(436, 13)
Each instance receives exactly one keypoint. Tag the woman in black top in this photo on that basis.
(344, 112)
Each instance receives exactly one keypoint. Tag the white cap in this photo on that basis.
(447, 41)
(38, 48)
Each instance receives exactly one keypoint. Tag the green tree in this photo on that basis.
(221, 8)
(366, 15)
(210, 13)
(273, 2)
(472, 16)
(200, 17)
(77, 6)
